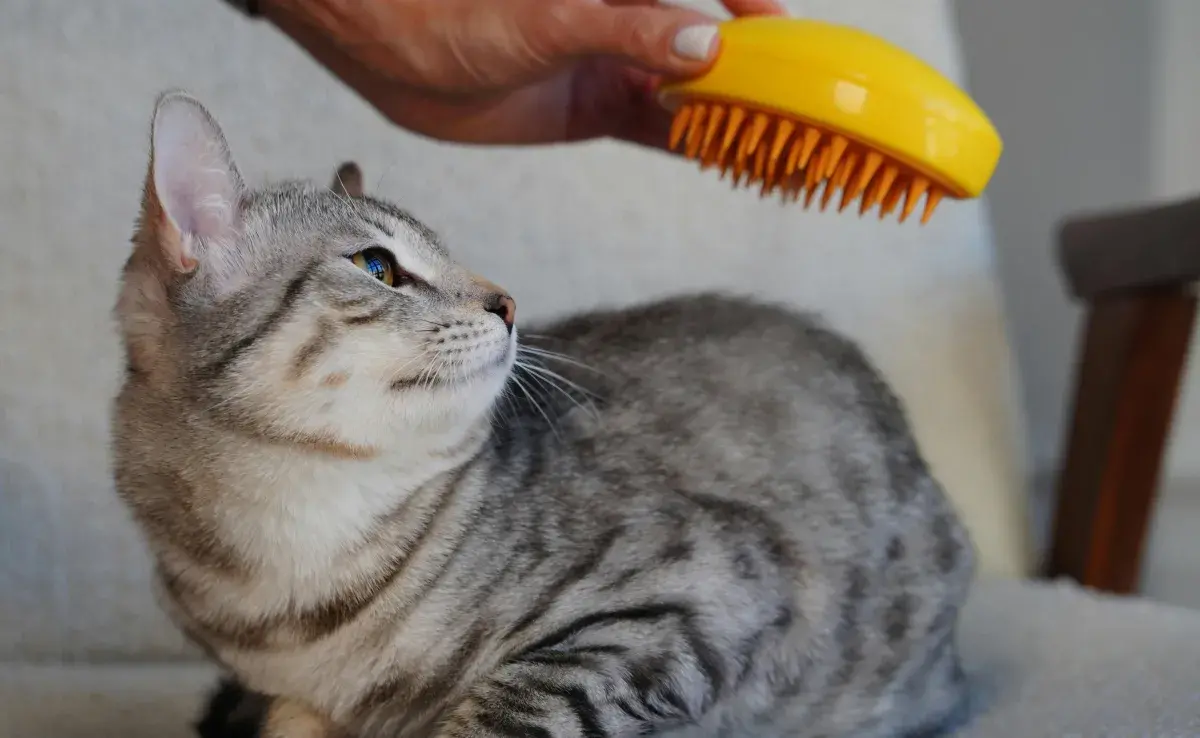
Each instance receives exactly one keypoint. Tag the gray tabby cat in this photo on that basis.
(329, 436)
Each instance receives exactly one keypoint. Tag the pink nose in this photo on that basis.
(506, 308)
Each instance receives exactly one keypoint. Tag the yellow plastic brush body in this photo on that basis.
(801, 106)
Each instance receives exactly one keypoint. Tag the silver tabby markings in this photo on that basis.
(368, 496)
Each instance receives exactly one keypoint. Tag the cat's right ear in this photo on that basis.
(193, 188)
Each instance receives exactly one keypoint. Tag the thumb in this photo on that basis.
(661, 39)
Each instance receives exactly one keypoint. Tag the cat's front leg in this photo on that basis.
(289, 719)
(586, 693)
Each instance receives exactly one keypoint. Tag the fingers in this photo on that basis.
(754, 7)
(735, 7)
(651, 34)
(663, 39)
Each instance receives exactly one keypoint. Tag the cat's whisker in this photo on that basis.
(504, 406)
(413, 360)
(443, 365)
(545, 382)
(560, 378)
(552, 379)
(541, 382)
(413, 382)
(555, 356)
(538, 407)
(427, 376)
(343, 192)
(386, 171)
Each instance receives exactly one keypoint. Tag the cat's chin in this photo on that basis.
(491, 370)
(491, 374)
(472, 394)
(495, 371)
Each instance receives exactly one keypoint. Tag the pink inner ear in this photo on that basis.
(201, 208)
(197, 182)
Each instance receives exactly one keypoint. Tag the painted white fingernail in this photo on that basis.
(696, 42)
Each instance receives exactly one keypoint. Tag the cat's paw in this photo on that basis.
(287, 719)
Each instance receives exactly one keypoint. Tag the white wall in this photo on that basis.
(1172, 569)
(1176, 171)
(1099, 104)
(1176, 97)
(1066, 84)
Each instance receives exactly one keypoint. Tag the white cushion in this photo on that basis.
(562, 228)
(1047, 661)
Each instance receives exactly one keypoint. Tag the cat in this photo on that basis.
(387, 513)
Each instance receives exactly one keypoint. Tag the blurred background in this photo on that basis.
(1099, 105)
(1098, 102)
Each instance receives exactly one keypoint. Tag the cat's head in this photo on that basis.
(305, 313)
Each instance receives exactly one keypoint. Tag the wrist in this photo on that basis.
(321, 13)
(252, 8)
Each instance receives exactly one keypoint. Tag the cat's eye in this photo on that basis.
(379, 264)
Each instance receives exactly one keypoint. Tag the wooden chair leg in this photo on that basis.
(1134, 351)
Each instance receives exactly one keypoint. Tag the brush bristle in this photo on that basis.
(793, 159)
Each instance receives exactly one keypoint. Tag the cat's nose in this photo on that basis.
(505, 307)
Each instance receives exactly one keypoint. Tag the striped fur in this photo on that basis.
(711, 520)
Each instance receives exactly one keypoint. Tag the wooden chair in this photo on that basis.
(1134, 271)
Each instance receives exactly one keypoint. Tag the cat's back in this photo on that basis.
(677, 338)
(740, 397)
(733, 392)
(768, 368)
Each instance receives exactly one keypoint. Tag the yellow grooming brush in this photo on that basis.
(804, 107)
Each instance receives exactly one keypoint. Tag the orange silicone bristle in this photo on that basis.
(794, 158)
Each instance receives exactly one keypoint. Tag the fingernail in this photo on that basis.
(696, 42)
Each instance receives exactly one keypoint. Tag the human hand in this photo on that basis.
(510, 71)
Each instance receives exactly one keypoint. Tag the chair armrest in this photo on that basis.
(1132, 356)
(1143, 247)
(1134, 271)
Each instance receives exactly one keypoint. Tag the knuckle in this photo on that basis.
(636, 32)
(590, 27)
(559, 28)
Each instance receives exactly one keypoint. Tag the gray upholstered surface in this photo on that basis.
(1048, 661)
(1054, 661)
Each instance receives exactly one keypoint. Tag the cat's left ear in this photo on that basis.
(348, 180)
(193, 179)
